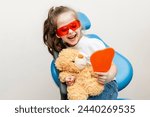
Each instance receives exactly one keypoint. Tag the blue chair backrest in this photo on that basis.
(125, 70)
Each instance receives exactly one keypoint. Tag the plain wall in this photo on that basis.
(25, 61)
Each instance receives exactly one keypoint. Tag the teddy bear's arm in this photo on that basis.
(63, 75)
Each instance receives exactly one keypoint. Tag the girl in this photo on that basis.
(62, 29)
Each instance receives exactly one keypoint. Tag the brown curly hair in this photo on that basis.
(50, 39)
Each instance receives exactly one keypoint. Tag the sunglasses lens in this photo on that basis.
(62, 31)
(75, 25)
(65, 29)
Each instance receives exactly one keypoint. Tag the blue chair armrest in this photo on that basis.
(62, 86)
(125, 71)
(54, 73)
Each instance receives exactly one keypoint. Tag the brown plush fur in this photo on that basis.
(85, 84)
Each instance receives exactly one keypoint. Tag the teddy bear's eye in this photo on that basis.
(73, 61)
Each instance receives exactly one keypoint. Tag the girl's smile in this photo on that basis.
(72, 36)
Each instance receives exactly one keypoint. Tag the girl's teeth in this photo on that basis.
(72, 37)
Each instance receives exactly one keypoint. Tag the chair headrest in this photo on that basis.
(85, 22)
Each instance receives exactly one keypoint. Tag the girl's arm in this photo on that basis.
(105, 77)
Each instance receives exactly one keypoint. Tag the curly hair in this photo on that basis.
(50, 39)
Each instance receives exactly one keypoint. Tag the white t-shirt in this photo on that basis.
(89, 45)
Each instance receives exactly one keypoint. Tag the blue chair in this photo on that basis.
(125, 70)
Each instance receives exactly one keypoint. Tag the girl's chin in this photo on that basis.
(72, 43)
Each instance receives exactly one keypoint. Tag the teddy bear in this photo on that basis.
(71, 62)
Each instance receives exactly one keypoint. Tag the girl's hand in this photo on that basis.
(103, 77)
(70, 80)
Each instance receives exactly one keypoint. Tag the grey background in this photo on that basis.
(25, 61)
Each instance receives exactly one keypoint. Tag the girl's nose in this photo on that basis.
(70, 31)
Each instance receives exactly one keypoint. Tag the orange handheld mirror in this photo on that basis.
(101, 60)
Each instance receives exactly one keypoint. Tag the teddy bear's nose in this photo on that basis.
(80, 56)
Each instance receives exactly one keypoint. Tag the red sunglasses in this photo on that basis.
(62, 31)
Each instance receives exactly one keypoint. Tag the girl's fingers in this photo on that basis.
(99, 79)
(70, 80)
(101, 82)
(102, 77)
(101, 73)
(69, 83)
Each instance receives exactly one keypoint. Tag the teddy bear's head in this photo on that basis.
(70, 60)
